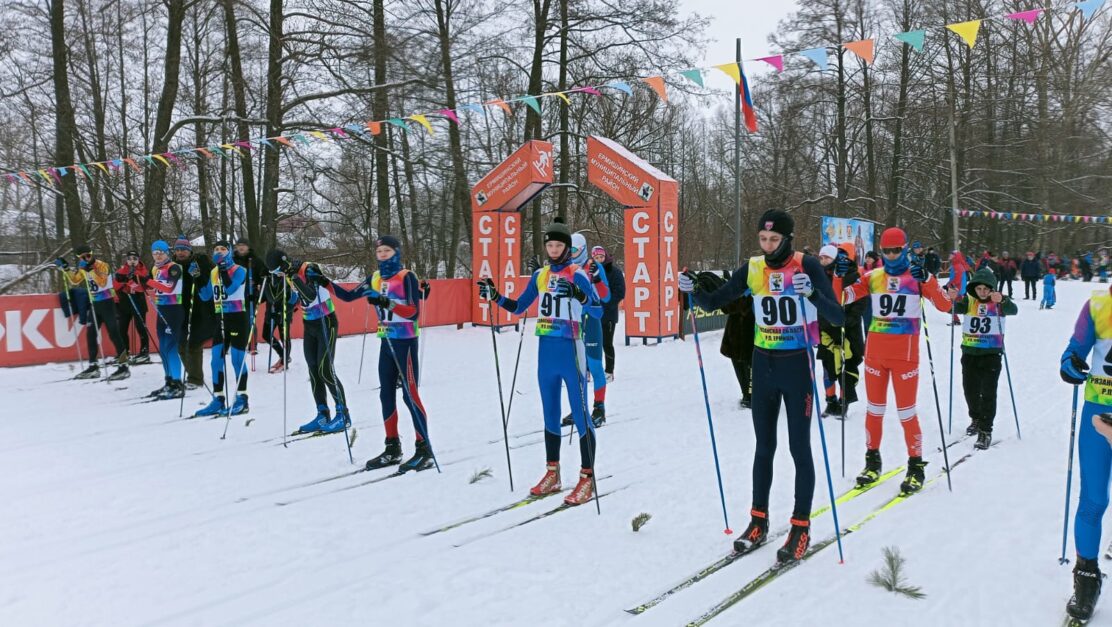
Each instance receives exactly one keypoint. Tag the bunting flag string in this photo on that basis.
(864, 49)
(1016, 216)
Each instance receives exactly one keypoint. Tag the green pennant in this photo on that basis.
(398, 122)
(913, 38)
(532, 103)
(695, 76)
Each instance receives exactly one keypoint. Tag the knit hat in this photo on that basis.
(828, 251)
(183, 242)
(893, 237)
(131, 253)
(160, 245)
(916, 244)
(277, 261)
(985, 277)
(222, 240)
(558, 232)
(606, 258)
(579, 248)
(82, 249)
(243, 240)
(777, 221)
(389, 240)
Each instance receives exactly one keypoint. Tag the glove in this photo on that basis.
(567, 289)
(687, 282)
(225, 278)
(533, 264)
(426, 289)
(802, 284)
(378, 300)
(1074, 369)
(918, 272)
(61, 263)
(487, 289)
(83, 264)
(842, 264)
(195, 270)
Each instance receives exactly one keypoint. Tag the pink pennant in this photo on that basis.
(338, 132)
(1026, 16)
(54, 173)
(776, 61)
(587, 90)
(450, 114)
(172, 157)
(243, 144)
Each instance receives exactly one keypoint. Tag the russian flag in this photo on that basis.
(746, 102)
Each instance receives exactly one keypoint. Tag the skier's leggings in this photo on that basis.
(320, 352)
(403, 356)
(234, 342)
(170, 328)
(562, 361)
(904, 376)
(782, 375)
(1095, 456)
(592, 343)
(105, 311)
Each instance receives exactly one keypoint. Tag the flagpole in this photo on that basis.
(737, 160)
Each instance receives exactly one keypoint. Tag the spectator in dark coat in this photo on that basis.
(1008, 270)
(616, 281)
(737, 343)
(932, 263)
(1030, 271)
(131, 279)
(245, 257)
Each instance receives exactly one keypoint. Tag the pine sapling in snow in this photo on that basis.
(640, 520)
(891, 577)
(479, 475)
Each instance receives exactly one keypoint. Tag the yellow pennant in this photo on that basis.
(162, 160)
(423, 121)
(562, 96)
(319, 135)
(732, 70)
(967, 31)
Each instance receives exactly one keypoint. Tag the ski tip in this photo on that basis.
(728, 531)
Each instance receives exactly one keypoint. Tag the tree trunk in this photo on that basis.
(380, 107)
(65, 124)
(461, 198)
(274, 125)
(243, 130)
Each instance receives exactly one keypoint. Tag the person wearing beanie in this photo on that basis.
(566, 294)
(615, 281)
(592, 335)
(305, 284)
(896, 291)
(982, 308)
(1050, 291)
(245, 257)
(395, 294)
(131, 279)
(95, 276)
(1008, 272)
(932, 263)
(166, 281)
(1092, 340)
(227, 290)
(200, 316)
(781, 281)
(841, 346)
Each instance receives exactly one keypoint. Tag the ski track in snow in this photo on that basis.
(121, 514)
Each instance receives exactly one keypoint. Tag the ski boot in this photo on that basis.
(278, 366)
(984, 440)
(190, 385)
(583, 490)
(174, 389)
(550, 482)
(240, 406)
(1086, 589)
(160, 391)
(339, 423)
(872, 468)
(316, 424)
(92, 372)
(972, 428)
(141, 359)
(913, 482)
(567, 421)
(799, 540)
(392, 456)
(421, 460)
(755, 534)
(745, 403)
(598, 415)
(120, 374)
(214, 408)
(609, 377)
(833, 406)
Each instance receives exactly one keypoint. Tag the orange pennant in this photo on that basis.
(500, 103)
(375, 127)
(657, 83)
(862, 48)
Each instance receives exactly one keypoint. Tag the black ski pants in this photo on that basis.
(1031, 288)
(783, 376)
(128, 315)
(320, 353)
(980, 376)
(104, 315)
(608, 327)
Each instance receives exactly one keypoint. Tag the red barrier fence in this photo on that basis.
(34, 331)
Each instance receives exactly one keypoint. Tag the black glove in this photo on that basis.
(426, 289)
(487, 290)
(1074, 369)
(61, 263)
(378, 299)
(225, 277)
(567, 289)
(918, 272)
(532, 264)
(842, 264)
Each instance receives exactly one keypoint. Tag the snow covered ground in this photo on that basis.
(122, 514)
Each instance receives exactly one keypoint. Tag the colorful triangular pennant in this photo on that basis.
(967, 31)
(862, 48)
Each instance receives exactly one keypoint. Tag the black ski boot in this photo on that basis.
(162, 390)
(872, 468)
(745, 403)
(984, 440)
(1086, 589)
(567, 421)
(392, 456)
(92, 372)
(972, 428)
(142, 358)
(833, 406)
(598, 415)
(913, 482)
(174, 389)
(121, 373)
(799, 540)
(755, 534)
(421, 460)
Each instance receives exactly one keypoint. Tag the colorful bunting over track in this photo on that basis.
(1035, 217)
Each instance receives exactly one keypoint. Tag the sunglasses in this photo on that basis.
(136, 257)
(891, 251)
(85, 256)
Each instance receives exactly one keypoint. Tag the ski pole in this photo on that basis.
(242, 373)
(822, 430)
(1069, 477)
(73, 310)
(329, 344)
(422, 425)
(953, 307)
(363, 345)
(420, 316)
(96, 324)
(517, 362)
(285, 364)
(185, 341)
(934, 384)
(710, 421)
(592, 444)
(1008, 370)
(142, 322)
(501, 399)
